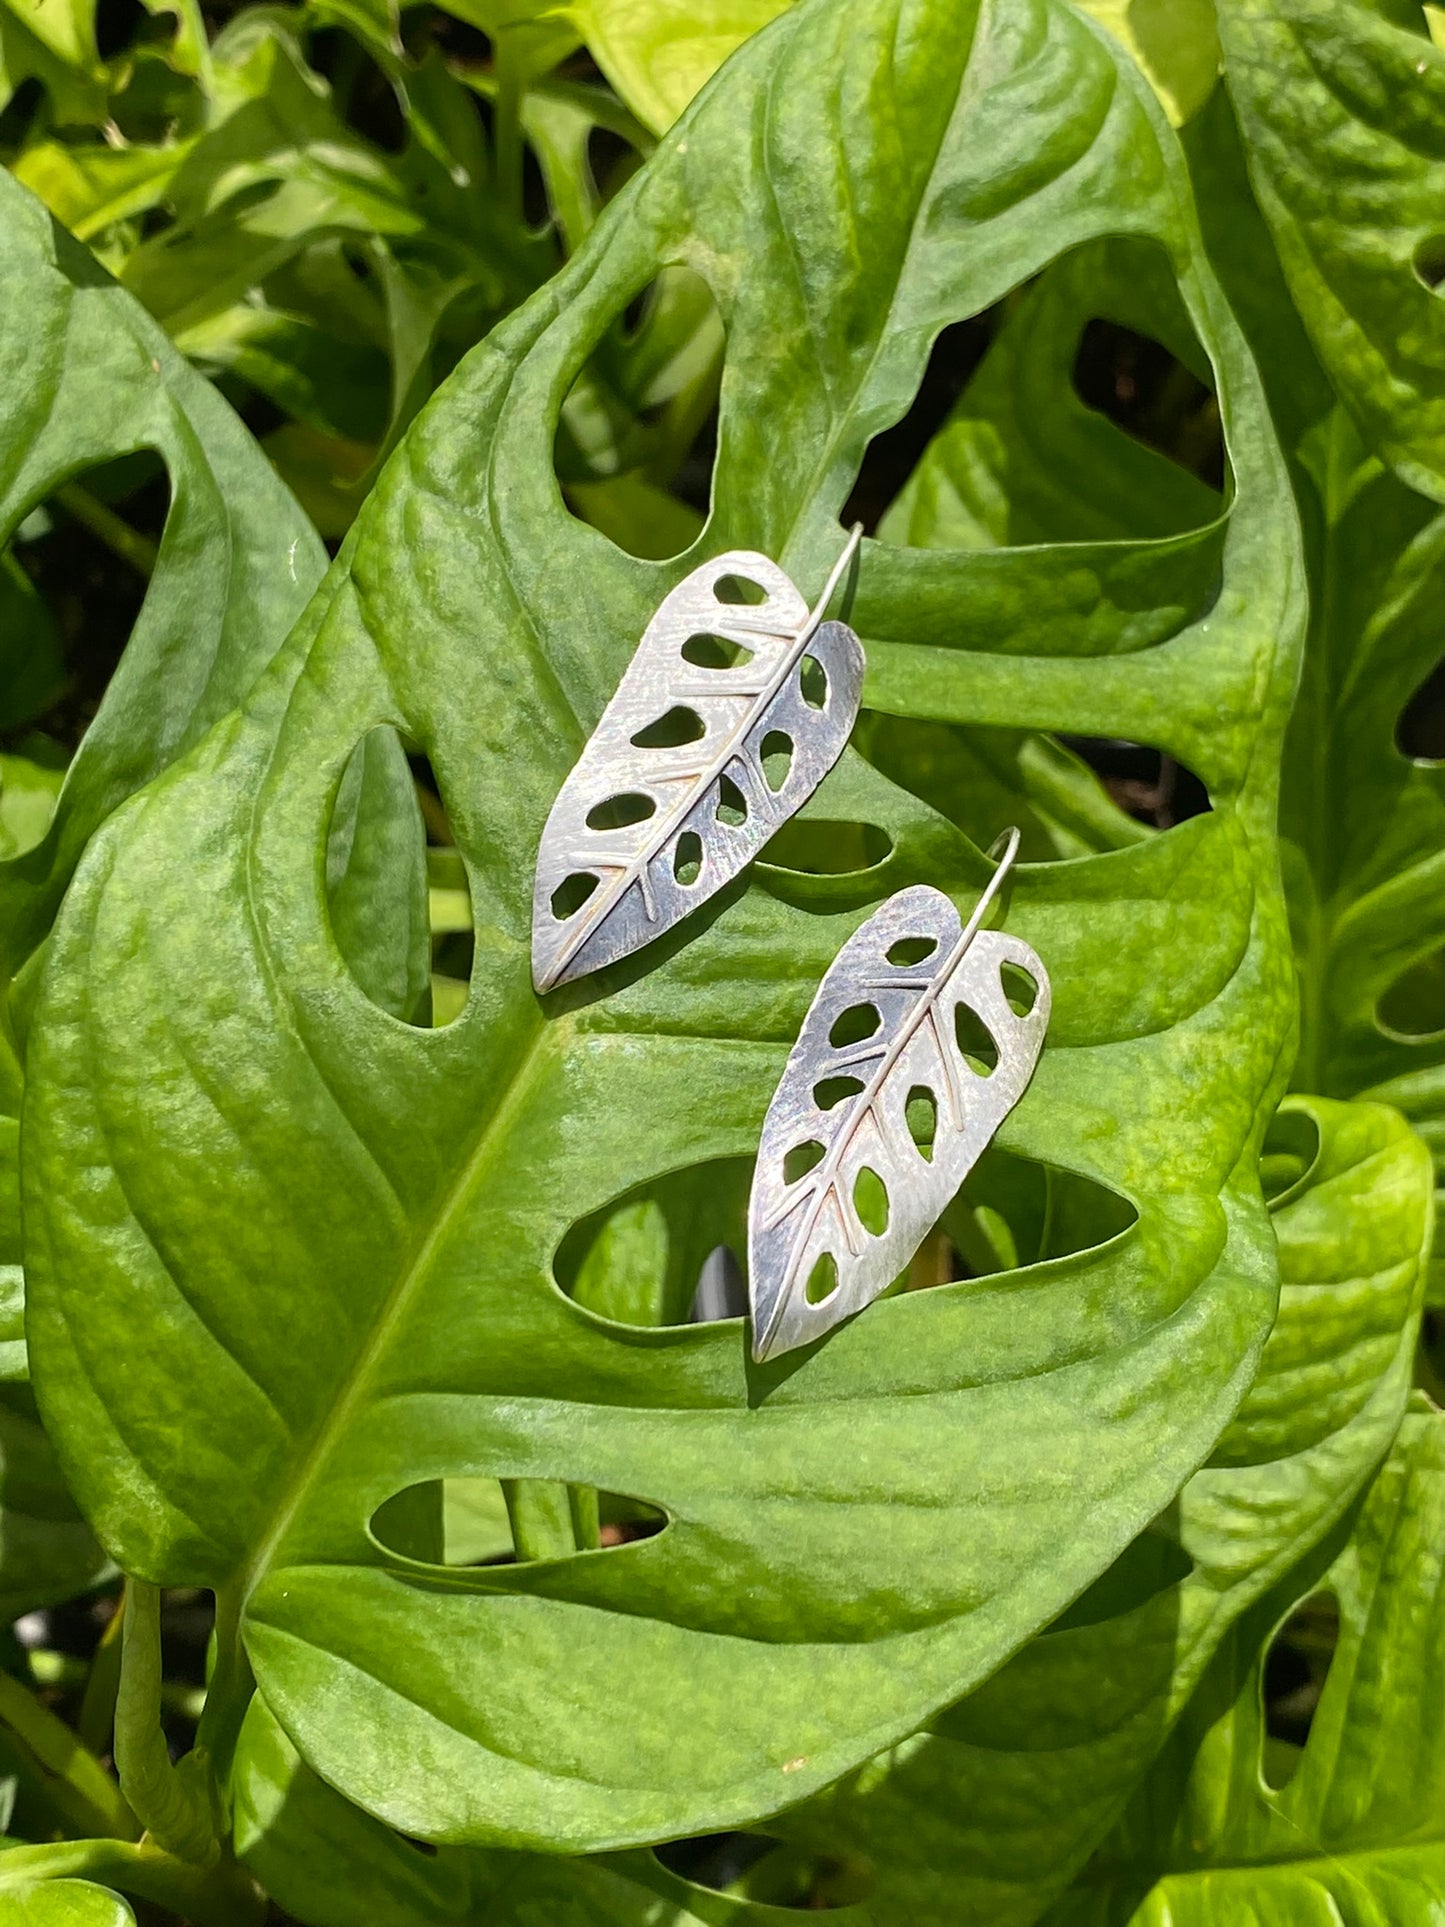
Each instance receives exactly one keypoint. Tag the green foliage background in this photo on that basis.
(346, 1282)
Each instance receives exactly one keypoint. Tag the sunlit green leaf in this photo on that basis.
(316, 1268)
(1354, 1835)
(1012, 1787)
(1174, 41)
(1342, 104)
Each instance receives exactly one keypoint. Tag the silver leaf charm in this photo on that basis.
(731, 713)
(922, 1038)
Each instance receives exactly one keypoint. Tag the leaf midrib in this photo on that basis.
(439, 1225)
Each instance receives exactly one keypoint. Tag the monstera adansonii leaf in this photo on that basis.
(88, 378)
(1342, 108)
(1363, 789)
(984, 1818)
(314, 1270)
(985, 1826)
(1352, 1837)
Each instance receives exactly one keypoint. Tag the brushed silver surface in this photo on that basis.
(915, 1047)
(638, 893)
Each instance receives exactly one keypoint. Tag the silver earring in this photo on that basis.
(736, 705)
(921, 1039)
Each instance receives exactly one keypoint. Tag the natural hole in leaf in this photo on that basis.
(813, 682)
(920, 1109)
(974, 1039)
(621, 812)
(1146, 391)
(1291, 1148)
(1148, 1566)
(1147, 784)
(1012, 1211)
(870, 1201)
(639, 1258)
(611, 163)
(1067, 796)
(449, 897)
(468, 1521)
(73, 582)
(400, 909)
(366, 101)
(854, 1025)
(637, 432)
(911, 950)
(677, 728)
(822, 1280)
(687, 858)
(732, 805)
(777, 757)
(1420, 732)
(571, 893)
(816, 847)
(892, 456)
(1019, 988)
(830, 1092)
(737, 589)
(1413, 1006)
(1296, 1667)
(750, 1867)
(715, 652)
(1429, 262)
(802, 1159)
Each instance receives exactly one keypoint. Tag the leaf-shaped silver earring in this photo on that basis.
(736, 705)
(922, 1038)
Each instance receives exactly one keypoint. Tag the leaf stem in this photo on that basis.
(97, 1708)
(511, 87)
(87, 1793)
(230, 1692)
(221, 1896)
(541, 1514)
(169, 1805)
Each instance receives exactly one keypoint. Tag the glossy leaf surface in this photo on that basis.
(87, 378)
(64, 1903)
(1363, 804)
(1012, 1787)
(980, 1819)
(1353, 1839)
(1342, 105)
(335, 1285)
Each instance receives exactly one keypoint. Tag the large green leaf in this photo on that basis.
(331, 1865)
(1174, 41)
(1363, 817)
(87, 378)
(1342, 105)
(1365, 822)
(984, 1818)
(658, 53)
(317, 1266)
(1354, 1838)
